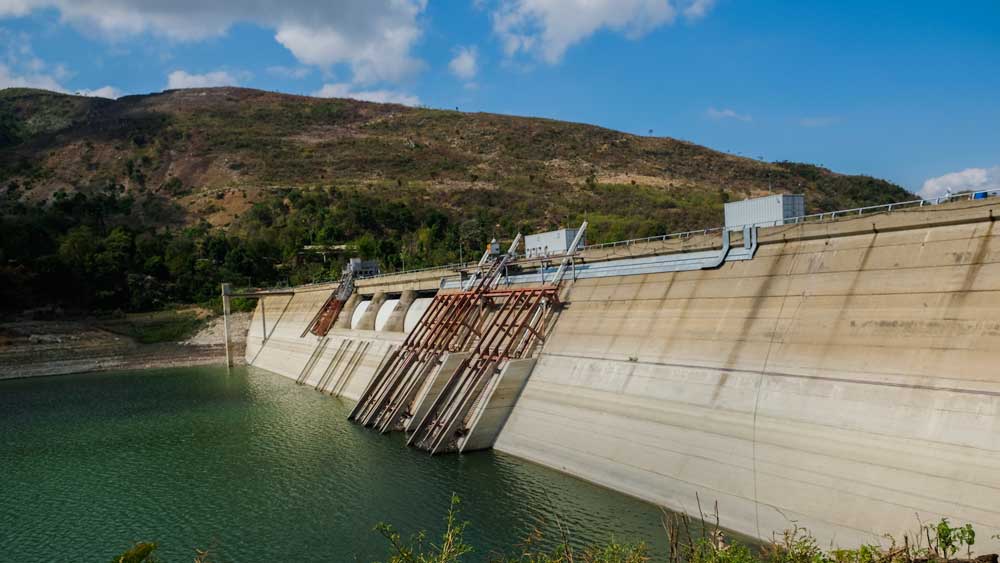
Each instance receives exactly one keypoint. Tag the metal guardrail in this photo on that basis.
(658, 238)
(452, 266)
(888, 207)
(814, 217)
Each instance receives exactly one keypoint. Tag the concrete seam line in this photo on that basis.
(797, 376)
(720, 298)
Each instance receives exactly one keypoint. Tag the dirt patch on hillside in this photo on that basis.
(638, 179)
(215, 332)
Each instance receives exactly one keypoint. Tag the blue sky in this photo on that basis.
(907, 90)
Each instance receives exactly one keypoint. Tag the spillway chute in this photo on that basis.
(414, 313)
(359, 312)
(384, 312)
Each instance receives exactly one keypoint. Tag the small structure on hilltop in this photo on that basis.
(358, 268)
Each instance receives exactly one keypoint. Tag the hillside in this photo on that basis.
(276, 172)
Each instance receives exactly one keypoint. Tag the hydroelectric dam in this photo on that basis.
(836, 372)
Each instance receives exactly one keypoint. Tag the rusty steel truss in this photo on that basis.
(492, 325)
(323, 320)
(327, 316)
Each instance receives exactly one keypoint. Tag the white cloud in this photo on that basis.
(181, 79)
(20, 68)
(720, 114)
(15, 7)
(11, 78)
(465, 64)
(343, 90)
(35, 64)
(970, 179)
(296, 72)
(698, 9)
(547, 28)
(382, 57)
(819, 121)
(102, 92)
(373, 37)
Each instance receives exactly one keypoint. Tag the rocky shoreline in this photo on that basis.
(45, 348)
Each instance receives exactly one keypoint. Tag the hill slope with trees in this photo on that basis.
(148, 200)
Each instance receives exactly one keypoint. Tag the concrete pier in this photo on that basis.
(367, 321)
(398, 315)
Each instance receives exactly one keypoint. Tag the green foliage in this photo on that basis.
(26, 112)
(240, 305)
(796, 545)
(700, 542)
(99, 252)
(450, 550)
(403, 186)
(708, 544)
(943, 543)
(950, 540)
(866, 553)
(141, 552)
(828, 191)
(706, 551)
(175, 187)
(452, 547)
(611, 552)
(11, 129)
(152, 328)
(144, 552)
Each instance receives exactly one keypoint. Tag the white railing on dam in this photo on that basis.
(814, 217)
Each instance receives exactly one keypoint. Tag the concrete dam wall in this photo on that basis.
(845, 378)
(343, 362)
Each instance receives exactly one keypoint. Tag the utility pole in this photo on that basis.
(226, 290)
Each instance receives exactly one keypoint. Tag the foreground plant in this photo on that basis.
(145, 552)
(797, 545)
(141, 552)
(452, 547)
(691, 541)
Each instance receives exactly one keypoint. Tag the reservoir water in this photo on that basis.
(257, 469)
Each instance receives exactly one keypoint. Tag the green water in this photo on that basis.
(256, 468)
